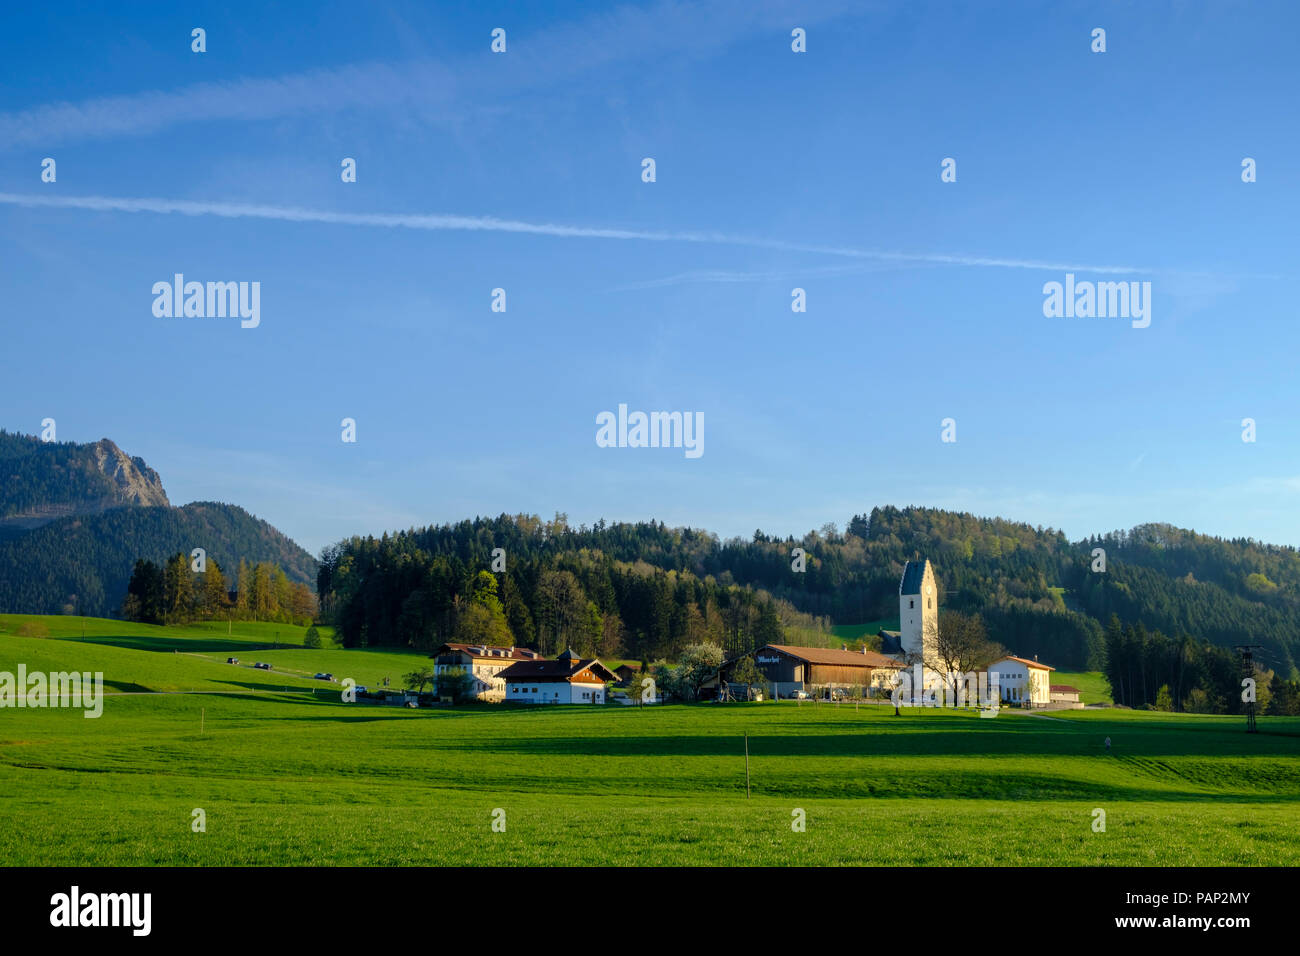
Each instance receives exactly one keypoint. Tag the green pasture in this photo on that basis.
(299, 777)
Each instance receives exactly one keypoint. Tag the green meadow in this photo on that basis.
(286, 773)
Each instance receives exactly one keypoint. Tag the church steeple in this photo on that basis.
(918, 609)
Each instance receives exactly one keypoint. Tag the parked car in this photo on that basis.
(798, 695)
(232, 660)
(835, 693)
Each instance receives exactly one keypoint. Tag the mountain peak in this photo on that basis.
(43, 481)
(135, 481)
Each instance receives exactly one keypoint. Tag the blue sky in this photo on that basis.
(775, 170)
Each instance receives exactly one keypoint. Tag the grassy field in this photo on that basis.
(301, 778)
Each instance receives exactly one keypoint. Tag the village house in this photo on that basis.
(566, 680)
(483, 663)
(1022, 681)
(1066, 697)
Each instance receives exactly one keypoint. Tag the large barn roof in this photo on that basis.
(826, 655)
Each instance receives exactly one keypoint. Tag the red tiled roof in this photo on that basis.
(1064, 689)
(1021, 660)
(484, 651)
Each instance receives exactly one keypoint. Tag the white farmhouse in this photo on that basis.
(567, 680)
(483, 663)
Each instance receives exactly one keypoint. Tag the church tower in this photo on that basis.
(918, 610)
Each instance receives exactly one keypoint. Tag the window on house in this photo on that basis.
(911, 603)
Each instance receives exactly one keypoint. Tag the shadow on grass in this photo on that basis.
(914, 743)
(126, 687)
(136, 642)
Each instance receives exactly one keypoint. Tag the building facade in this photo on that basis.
(566, 680)
(483, 663)
(1065, 696)
(1022, 681)
(791, 669)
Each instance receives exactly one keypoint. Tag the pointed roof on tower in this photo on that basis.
(913, 575)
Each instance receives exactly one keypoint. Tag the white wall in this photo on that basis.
(555, 693)
(484, 683)
(1013, 676)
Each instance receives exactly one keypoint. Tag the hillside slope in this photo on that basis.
(82, 564)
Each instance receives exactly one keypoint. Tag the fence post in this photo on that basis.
(746, 766)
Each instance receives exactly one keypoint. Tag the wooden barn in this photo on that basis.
(791, 669)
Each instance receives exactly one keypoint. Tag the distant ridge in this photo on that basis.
(75, 517)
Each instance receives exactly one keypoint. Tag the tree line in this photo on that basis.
(649, 591)
(1149, 670)
(611, 591)
(173, 593)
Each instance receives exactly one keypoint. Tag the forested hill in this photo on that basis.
(83, 564)
(41, 481)
(660, 587)
(75, 517)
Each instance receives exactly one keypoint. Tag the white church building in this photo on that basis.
(1018, 679)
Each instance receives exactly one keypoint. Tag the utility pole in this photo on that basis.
(1248, 673)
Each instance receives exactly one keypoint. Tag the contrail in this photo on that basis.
(446, 222)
